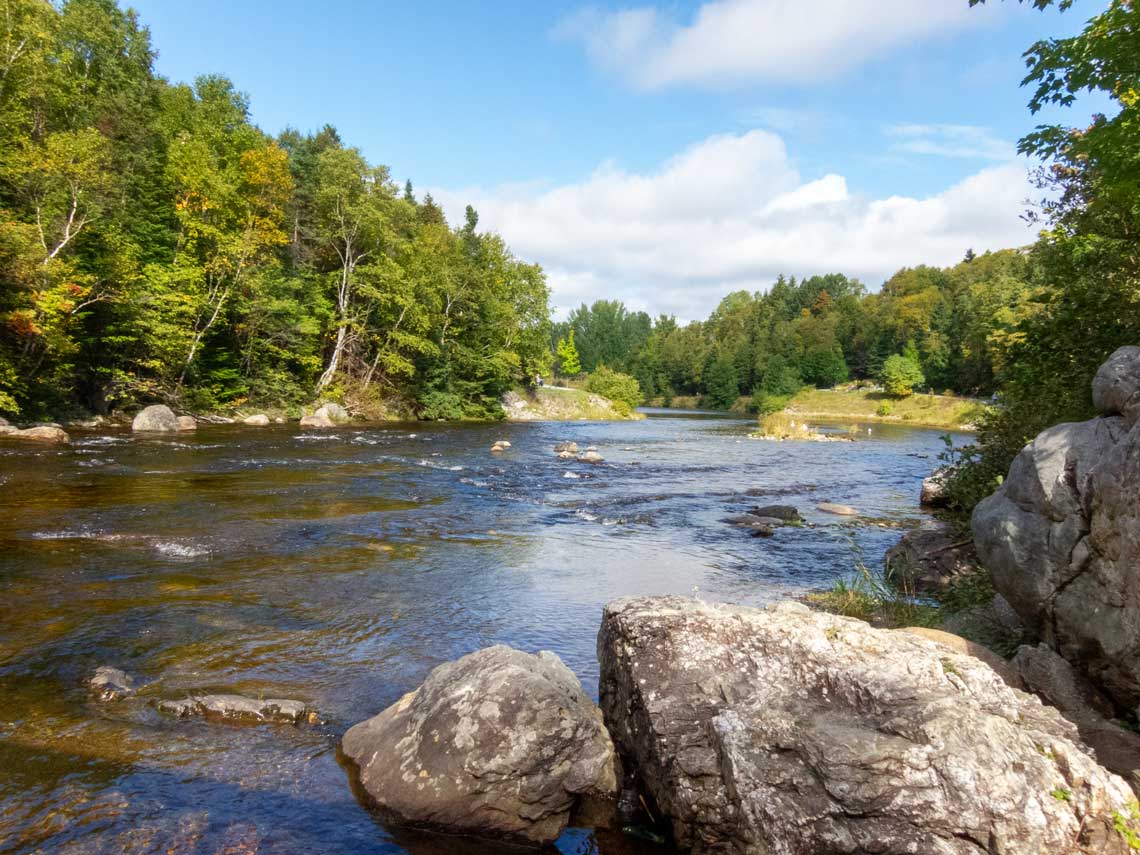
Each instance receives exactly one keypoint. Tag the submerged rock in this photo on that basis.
(839, 510)
(784, 513)
(1061, 535)
(931, 559)
(157, 418)
(240, 709)
(795, 732)
(499, 743)
(111, 684)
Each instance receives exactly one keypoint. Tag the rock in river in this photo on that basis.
(499, 743)
(838, 510)
(187, 423)
(801, 733)
(931, 559)
(566, 447)
(42, 433)
(111, 684)
(240, 709)
(257, 420)
(590, 455)
(784, 513)
(157, 418)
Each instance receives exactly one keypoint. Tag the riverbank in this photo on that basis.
(563, 404)
(918, 410)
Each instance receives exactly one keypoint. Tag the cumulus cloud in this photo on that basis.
(732, 212)
(731, 41)
(959, 141)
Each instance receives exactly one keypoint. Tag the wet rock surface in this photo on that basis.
(789, 731)
(240, 709)
(838, 510)
(48, 434)
(499, 743)
(111, 684)
(1061, 536)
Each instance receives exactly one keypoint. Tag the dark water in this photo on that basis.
(339, 567)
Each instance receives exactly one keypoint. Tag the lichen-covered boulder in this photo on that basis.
(499, 743)
(156, 418)
(1061, 536)
(800, 733)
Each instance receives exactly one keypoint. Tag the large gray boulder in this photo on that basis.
(155, 419)
(1061, 536)
(791, 732)
(499, 743)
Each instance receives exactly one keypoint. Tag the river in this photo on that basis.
(339, 567)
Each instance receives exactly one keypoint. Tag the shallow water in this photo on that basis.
(339, 567)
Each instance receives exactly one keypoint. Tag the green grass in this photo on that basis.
(556, 405)
(920, 409)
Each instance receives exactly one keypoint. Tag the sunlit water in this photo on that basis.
(339, 567)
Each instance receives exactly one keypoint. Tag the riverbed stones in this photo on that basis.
(499, 743)
(783, 513)
(187, 423)
(566, 448)
(1061, 536)
(327, 415)
(838, 510)
(931, 559)
(790, 731)
(591, 455)
(256, 420)
(111, 684)
(240, 709)
(47, 434)
(157, 418)
(500, 446)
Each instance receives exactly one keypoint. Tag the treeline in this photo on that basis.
(156, 245)
(956, 325)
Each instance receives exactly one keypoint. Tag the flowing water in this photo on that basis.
(339, 567)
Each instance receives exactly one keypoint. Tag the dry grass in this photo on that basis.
(786, 426)
(944, 411)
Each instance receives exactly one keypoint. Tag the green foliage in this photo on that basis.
(901, 374)
(884, 409)
(156, 245)
(1127, 825)
(615, 386)
(569, 363)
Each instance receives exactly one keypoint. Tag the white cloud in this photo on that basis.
(732, 41)
(731, 212)
(958, 141)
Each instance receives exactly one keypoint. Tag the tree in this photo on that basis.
(901, 374)
(615, 386)
(568, 361)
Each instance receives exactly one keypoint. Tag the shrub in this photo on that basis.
(615, 386)
(884, 409)
(765, 403)
(901, 374)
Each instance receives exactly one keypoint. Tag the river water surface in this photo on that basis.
(339, 567)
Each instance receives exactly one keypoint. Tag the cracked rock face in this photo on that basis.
(1061, 536)
(791, 732)
(499, 743)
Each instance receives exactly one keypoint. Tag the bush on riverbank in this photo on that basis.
(926, 410)
(616, 386)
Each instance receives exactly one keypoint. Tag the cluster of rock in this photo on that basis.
(776, 730)
(570, 451)
(49, 434)
(1061, 536)
(159, 418)
(326, 416)
(500, 446)
(931, 559)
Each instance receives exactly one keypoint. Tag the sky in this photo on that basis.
(663, 153)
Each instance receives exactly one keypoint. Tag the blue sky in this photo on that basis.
(572, 127)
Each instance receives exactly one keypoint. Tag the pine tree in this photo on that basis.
(568, 361)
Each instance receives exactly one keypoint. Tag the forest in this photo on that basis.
(156, 246)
